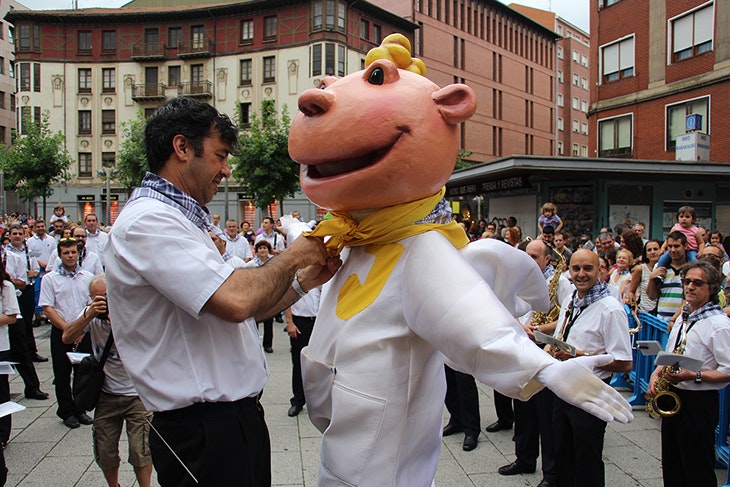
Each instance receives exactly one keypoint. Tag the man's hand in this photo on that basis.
(308, 251)
(292, 330)
(98, 306)
(317, 274)
(658, 272)
(573, 382)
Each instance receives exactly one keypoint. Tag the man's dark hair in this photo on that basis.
(64, 243)
(548, 229)
(678, 236)
(188, 117)
(271, 220)
(712, 275)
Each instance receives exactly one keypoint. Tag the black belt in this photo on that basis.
(208, 409)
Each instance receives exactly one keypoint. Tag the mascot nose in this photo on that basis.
(315, 102)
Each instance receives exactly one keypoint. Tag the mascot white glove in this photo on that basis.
(573, 382)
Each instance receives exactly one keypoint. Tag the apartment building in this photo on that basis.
(93, 69)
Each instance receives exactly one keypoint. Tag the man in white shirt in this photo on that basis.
(40, 246)
(237, 244)
(88, 260)
(96, 240)
(186, 331)
(594, 323)
(64, 294)
(270, 235)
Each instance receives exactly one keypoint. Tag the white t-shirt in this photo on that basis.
(9, 307)
(175, 353)
(67, 295)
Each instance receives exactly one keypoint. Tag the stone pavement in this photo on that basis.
(42, 452)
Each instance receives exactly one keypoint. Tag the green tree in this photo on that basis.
(37, 160)
(461, 163)
(263, 162)
(132, 158)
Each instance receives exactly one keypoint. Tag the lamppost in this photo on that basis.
(108, 173)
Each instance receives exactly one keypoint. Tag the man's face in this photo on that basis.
(216, 219)
(232, 229)
(17, 237)
(268, 224)
(559, 242)
(584, 270)
(58, 227)
(536, 250)
(40, 228)
(548, 237)
(69, 257)
(714, 256)
(491, 229)
(203, 173)
(676, 250)
(639, 230)
(696, 295)
(607, 243)
(80, 235)
(91, 223)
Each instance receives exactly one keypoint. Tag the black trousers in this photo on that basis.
(5, 421)
(26, 302)
(688, 441)
(533, 429)
(62, 369)
(578, 446)
(268, 332)
(462, 401)
(503, 406)
(305, 325)
(222, 444)
(20, 348)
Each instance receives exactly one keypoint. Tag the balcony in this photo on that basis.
(148, 52)
(196, 49)
(198, 89)
(149, 92)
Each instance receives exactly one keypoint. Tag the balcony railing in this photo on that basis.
(145, 51)
(197, 89)
(148, 92)
(197, 48)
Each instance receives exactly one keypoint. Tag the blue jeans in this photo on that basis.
(665, 260)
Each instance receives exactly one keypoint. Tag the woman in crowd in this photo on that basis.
(262, 249)
(640, 277)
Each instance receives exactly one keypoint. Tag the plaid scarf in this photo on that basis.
(598, 291)
(549, 272)
(160, 189)
(62, 270)
(705, 311)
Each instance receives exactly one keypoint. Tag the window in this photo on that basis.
(24, 77)
(84, 38)
(329, 59)
(341, 15)
(316, 60)
(269, 69)
(584, 82)
(330, 7)
(614, 136)
(334, 58)
(25, 118)
(329, 14)
(108, 41)
(576, 79)
(560, 147)
(692, 33)
(2, 99)
(617, 60)
(377, 34)
(560, 76)
(584, 61)
(245, 114)
(174, 37)
(37, 77)
(365, 29)
(84, 164)
(37, 115)
(3, 136)
(108, 80)
(108, 122)
(317, 16)
(28, 37)
(560, 99)
(576, 103)
(270, 27)
(108, 159)
(576, 126)
(584, 106)
(2, 65)
(608, 3)
(340, 60)
(84, 122)
(575, 150)
(85, 80)
(173, 76)
(676, 115)
(576, 56)
(584, 151)
(560, 123)
(246, 72)
(196, 77)
(584, 128)
(560, 52)
(247, 30)
(197, 37)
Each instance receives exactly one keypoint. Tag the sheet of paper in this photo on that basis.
(684, 361)
(6, 368)
(10, 407)
(551, 340)
(649, 347)
(76, 357)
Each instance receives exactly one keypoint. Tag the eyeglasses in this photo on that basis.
(696, 282)
(67, 239)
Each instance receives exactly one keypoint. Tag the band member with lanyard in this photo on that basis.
(688, 437)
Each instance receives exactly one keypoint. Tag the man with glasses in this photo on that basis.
(64, 294)
(688, 437)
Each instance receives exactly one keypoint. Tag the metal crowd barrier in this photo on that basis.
(653, 328)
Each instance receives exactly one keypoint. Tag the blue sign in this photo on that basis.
(693, 122)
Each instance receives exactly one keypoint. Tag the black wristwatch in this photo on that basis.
(698, 379)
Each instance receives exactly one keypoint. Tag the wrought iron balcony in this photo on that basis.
(148, 92)
(148, 52)
(197, 89)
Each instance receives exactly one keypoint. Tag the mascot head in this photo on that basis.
(378, 137)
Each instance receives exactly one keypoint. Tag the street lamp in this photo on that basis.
(108, 174)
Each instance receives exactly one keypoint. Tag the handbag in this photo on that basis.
(89, 378)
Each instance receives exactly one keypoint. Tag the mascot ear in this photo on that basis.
(456, 103)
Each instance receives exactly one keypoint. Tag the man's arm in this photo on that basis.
(55, 318)
(652, 290)
(76, 329)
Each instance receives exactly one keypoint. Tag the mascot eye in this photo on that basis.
(322, 85)
(377, 77)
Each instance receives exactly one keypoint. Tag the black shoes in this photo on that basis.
(546, 483)
(36, 394)
(498, 426)
(293, 411)
(451, 429)
(85, 419)
(470, 442)
(514, 468)
(38, 358)
(279, 319)
(72, 422)
(269, 350)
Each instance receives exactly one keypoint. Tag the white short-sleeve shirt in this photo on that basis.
(175, 353)
(9, 307)
(65, 294)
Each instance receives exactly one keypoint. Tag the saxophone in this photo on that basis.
(666, 403)
(540, 317)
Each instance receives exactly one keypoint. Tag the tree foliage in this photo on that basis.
(36, 161)
(263, 162)
(461, 163)
(132, 158)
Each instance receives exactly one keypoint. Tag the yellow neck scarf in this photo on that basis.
(380, 234)
(388, 225)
